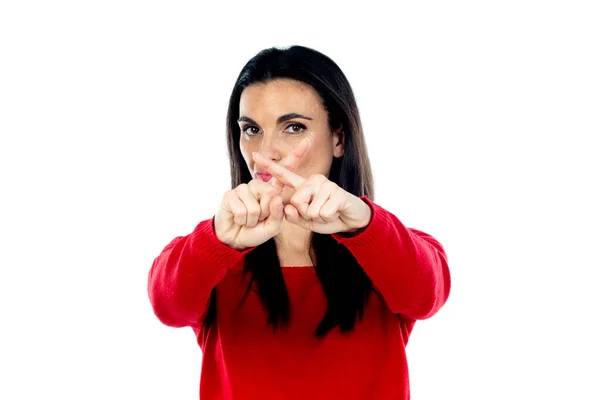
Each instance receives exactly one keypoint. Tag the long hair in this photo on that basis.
(345, 284)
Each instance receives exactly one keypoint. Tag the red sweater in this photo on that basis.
(244, 359)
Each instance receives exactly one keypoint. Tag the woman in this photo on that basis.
(300, 286)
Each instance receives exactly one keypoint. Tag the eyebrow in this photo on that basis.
(283, 118)
(287, 117)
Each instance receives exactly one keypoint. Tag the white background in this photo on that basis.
(481, 119)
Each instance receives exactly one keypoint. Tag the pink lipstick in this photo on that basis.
(266, 177)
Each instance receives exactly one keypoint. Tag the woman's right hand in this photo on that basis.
(253, 213)
(249, 215)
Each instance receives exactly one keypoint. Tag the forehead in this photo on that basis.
(278, 97)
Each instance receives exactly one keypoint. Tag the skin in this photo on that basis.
(298, 151)
(264, 104)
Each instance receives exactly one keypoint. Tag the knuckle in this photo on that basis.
(328, 216)
(255, 184)
(239, 213)
(228, 194)
(254, 210)
(294, 200)
(271, 190)
(264, 187)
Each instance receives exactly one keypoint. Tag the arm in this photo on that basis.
(185, 272)
(407, 266)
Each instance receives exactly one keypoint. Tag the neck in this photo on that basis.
(293, 244)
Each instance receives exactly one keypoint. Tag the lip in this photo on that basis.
(264, 176)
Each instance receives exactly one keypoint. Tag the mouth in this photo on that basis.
(265, 177)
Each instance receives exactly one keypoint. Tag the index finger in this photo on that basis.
(296, 157)
(298, 154)
(281, 173)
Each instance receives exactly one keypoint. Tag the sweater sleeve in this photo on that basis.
(407, 266)
(184, 273)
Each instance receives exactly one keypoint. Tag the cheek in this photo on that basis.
(247, 154)
(312, 164)
(244, 148)
(319, 154)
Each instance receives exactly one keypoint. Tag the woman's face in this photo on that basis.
(275, 117)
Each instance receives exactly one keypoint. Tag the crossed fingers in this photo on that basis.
(284, 176)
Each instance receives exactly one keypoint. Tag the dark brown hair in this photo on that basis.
(345, 284)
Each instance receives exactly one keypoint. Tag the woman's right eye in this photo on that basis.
(250, 130)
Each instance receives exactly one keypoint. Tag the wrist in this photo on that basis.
(364, 222)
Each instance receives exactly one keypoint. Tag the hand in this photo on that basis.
(318, 205)
(252, 213)
(249, 215)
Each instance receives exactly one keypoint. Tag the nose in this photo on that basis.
(271, 147)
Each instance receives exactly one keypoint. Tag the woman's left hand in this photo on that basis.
(318, 204)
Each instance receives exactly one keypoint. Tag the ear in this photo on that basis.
(337, 142)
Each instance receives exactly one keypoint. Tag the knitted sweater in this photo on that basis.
(244, 358)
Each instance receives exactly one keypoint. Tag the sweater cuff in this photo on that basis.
(206, 244)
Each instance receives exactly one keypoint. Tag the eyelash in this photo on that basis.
(301, 126)
(245, 130)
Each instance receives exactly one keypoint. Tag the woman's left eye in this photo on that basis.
(295, 128)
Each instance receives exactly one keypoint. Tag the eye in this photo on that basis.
(250, 130)
(295, 128)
